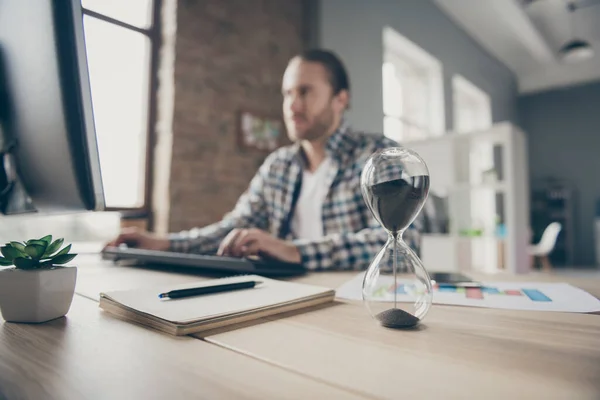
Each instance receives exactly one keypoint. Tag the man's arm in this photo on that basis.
(350, 251)
(250, 211)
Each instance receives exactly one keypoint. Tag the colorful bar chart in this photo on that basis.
(475, 293)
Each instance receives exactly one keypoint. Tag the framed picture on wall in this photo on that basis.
(259, 131)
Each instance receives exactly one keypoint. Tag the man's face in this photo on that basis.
(310, 108)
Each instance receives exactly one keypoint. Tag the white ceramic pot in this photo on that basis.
(36, 295)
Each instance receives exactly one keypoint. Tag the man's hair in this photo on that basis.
(338, 77)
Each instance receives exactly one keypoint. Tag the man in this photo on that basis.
(304, 205)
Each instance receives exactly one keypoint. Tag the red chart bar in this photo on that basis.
(513, 292)
(474, 293)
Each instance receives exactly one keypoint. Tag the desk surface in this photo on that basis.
(331, 352)
(91, 355)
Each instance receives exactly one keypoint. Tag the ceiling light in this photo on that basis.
(576, 50)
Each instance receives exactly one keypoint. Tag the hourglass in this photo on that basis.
(396, 288)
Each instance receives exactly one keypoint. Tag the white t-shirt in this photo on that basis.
(307, 222)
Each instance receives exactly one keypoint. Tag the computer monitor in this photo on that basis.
(48, 151)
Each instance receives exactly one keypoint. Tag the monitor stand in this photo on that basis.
(13, 196)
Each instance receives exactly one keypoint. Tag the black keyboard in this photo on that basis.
(259, 266)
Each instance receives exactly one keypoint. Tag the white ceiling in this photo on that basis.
(525, 35)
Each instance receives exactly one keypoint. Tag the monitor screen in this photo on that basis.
(49, 157)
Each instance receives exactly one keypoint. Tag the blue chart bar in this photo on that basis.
(536, 295)
(400, 289)
(490, 290)
(447, 289)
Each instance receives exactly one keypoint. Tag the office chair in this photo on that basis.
(545, 246)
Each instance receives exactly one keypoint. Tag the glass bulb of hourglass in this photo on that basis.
(396, 288)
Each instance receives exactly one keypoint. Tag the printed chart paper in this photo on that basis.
(532, 296)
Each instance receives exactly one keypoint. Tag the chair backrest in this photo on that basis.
(549, 236)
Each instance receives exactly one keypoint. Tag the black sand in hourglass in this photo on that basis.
(395, 204)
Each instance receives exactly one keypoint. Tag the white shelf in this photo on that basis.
(454, 161)
(481, 237)
(461, 237)
(496, 186)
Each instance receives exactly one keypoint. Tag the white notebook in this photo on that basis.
(201, 313)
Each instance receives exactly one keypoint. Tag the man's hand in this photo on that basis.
(252, 242)
(134, 237)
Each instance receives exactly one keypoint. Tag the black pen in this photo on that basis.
(198, 291)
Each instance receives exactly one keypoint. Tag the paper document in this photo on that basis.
(507, 295)
(270, 292)
(203, 313)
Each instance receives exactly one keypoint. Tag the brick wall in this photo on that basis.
(229, 55)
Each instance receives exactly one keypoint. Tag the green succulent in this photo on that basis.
(35, 253)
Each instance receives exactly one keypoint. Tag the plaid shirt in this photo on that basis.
(352, 236)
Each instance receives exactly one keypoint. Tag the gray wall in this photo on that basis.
(353, 29)
(564, 142)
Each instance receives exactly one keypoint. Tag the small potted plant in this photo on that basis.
(39, 287)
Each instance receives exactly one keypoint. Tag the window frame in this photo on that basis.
(153, 33)
(398, 47)
(462, 87)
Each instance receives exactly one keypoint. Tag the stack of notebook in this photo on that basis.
(196, 314)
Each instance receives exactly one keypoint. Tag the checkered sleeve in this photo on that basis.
(348, 251)
(250, 211)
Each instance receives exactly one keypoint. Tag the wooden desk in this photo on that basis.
(91, 355)
(332, 352)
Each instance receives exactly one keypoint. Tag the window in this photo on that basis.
(121, 44)
(472, 106)
(472, 113)
(413, 90)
